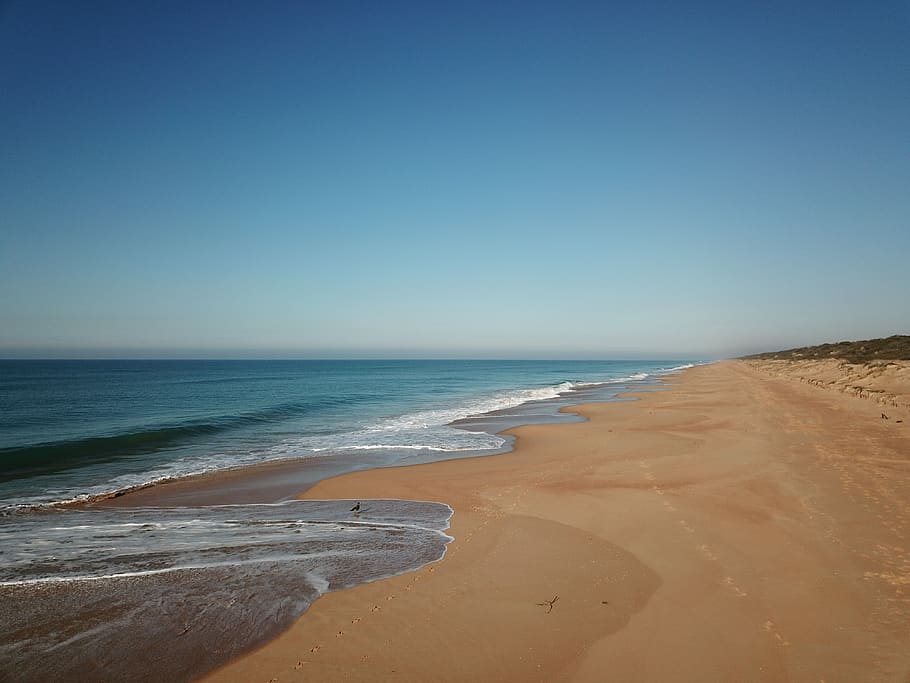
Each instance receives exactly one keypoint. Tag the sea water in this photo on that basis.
(84, 583)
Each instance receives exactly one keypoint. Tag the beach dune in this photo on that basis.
(736, 525)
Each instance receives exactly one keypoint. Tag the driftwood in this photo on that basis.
(548, 604)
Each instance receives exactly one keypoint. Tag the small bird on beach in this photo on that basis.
(356, 508)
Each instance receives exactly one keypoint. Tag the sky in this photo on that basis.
(491, 179)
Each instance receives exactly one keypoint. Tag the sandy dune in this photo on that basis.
(885, 382)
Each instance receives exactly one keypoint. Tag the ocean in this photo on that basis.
(75, 433)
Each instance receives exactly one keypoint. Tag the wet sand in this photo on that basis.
(740, 526)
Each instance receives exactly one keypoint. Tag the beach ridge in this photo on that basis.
(886, 382)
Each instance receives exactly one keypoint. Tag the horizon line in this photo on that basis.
(358, 358)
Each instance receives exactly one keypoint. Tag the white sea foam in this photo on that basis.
(251, 562)
(92, 545)
(422, 431)
(428, 430)
(486, 404)
(260, 566)
(318, 582)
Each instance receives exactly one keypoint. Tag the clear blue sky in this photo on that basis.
(451, 179)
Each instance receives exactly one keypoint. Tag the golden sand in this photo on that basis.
(738, 526)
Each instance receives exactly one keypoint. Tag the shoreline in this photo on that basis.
(196, 628)
(288, 478)
(701, 533)
(306, 411)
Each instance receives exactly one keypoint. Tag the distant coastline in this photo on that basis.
(895, 347)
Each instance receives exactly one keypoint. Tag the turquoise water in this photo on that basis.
(76, 429)
(208, 582)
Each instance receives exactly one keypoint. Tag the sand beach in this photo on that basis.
(737, 525)
(410, 342)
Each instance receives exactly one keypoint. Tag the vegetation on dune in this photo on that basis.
(896, 347)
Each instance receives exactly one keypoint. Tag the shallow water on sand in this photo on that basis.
(99, 593)
(202, 584)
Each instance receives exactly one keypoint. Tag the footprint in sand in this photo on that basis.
(315, 648)
(669, 506)
(685, 525)
(355, 620)
(706, 552)
(731, 584)
(390, 597)
(375, 608)
(339, 634)
(769, 627)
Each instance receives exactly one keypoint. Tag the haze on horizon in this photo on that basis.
(528, 180)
